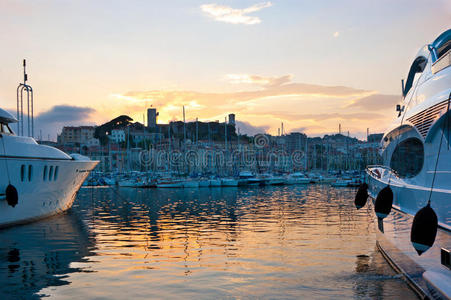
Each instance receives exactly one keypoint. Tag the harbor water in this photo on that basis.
(204, 243)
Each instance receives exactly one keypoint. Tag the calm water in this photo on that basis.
(276, 242)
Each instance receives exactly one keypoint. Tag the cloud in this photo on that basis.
(312, 108)
(231, 15)
(335, 116)
(259, 80)
(377, 102)
(246, 128)
(65, 113)
(50, 122)
(163, 98)
(298, 129)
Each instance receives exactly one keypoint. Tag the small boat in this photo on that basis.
(190, 184)
(228, 182)
(109, 181)
(248, 178)
(341, 183)
(323, 179)
(276, 180)
(268, 179)
(215, 182)
(170, 183)
(297, 178)
(204, 183)
(134, 182)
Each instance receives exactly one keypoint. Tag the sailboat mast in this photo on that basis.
(225, 132)
(184, 128)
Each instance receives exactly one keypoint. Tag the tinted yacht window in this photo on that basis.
(408, 157)
(417, 68)
(4, 128)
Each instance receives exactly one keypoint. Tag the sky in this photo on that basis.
(309, 64)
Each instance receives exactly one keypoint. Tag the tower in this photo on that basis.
(231, 119)
(152, 115)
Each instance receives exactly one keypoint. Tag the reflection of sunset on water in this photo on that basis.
(234, 242)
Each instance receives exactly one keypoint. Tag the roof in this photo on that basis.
(6, 117)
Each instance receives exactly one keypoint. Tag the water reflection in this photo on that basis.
(38, 255)
(272, 242)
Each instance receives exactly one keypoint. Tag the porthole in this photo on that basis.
(44, 175)
(56, 173)
(22, 172)
(408, 158)
(30, 172)
(50, 173)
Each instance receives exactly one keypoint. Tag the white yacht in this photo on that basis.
(229, 182)
(248, 178)
(297, 178)
(38, 180)
(412, 190)
(170, 183)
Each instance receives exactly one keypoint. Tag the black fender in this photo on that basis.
(12, 197)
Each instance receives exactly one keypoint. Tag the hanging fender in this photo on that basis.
(361, 196)
(12, 197)
(384, 202)
(424, 229)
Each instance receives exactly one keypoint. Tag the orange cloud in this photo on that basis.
(317, 108)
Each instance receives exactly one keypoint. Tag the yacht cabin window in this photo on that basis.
(408, 158)
(415, 71)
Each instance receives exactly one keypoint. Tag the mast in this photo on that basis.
(209, 140)
(30, 105)
(225, 132)
(306, 152)
(197, 130)
(184, 128)
(128, 149)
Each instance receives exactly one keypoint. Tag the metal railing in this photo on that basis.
(24, 87)
(374, 174)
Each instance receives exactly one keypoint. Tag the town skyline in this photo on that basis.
(311, 66)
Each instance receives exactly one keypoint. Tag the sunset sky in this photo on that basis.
(308, 64)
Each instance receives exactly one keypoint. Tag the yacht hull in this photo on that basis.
(40, 196)
(425, 273)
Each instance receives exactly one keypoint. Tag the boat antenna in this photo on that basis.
(30, 104)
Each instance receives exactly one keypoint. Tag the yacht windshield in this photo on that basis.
(441, 45)
(4, 128)
(417, 67)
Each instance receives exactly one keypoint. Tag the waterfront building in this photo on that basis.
(117, 136)
(78, 135)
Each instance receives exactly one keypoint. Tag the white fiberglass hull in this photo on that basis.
(276, 181)
(190, 184)
(229, 182)
(425, 273)
(215, 183)
(40, 196)
(177, 184)
(204, 183)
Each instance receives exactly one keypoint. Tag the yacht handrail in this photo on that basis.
(367, 169)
